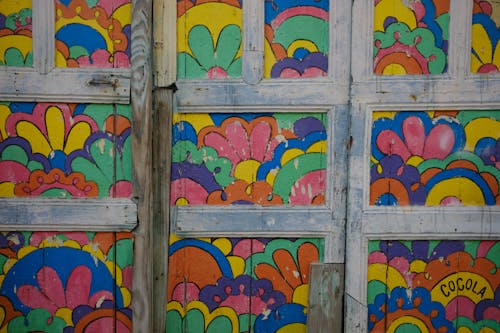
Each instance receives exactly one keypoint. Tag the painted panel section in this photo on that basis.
(410, 37)
(232, 285)
(297, 38)
(209, 36)
(71, 282)
(16, 45)
(261, 159)
(434, 286)
(93, 33)
(485, 52)
(435, 158)
(65, 150)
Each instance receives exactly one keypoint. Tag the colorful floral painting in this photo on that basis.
(239, 285)
(93, 33)
(485, 52)
(260, 159)
(65, 150)
(446, 158)
(16, 46)
(410, 37)
(65, 282)
(434, 286)
(209, 35)
(296, 43)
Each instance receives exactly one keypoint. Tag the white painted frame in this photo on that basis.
(252, 93)
(457, 89)
(45, 82)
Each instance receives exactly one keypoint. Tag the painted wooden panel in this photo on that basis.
(435, 158)
(209, 39)
(434, 286)
(16, 46)
(93, 33)
(262, 159)
(297, 38)
(485, 52)
(239, 284)
(65, 150)
(410, 37)
(65, 282)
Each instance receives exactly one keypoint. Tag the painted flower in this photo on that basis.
(56, 184)
(242, 293)
(485, 53)
(104, 317)
(52, 295)
(307, 65)
(37, 320)
(287, 269)
(52, 131)
(10, 243)
(415, 137)
(240, 192)
(207, 61)
(414, 305)
(394, 183)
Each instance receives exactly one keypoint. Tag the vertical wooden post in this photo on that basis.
(326, 298)
(141, 100)
(163, 102)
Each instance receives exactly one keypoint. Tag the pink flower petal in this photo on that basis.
(414, 135)
(51, 285)
(78, 287)
(259, 140)
(237, 136)
(389, 143)
(439, 142)
(33, 298)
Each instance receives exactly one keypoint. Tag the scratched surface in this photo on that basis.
(485, 52)
(16, 46)
(92, 33)
(435, 158)
(65, 150)
(239, 284)
(65, 282)
(434, 286)
(410, 37)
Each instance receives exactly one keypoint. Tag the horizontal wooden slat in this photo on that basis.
(321, 92)
(73, 86)
(67, 214)
(198, 221)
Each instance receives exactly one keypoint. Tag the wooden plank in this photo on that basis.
(192, 220)
(165, 39)
(43, 35)
(163, 103)
(80, 86)
(141, 99)
(253, 41)
(67, 214)
(326, 298)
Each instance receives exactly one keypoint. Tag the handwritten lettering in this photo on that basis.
(460, 285)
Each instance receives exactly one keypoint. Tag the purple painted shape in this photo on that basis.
(315, 59)
(214, 295)
(489, 303)
(307, 125)
(198, 173)
(408, 175)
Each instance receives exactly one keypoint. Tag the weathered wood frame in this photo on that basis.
(42, 83)
(456, 89)
(253, 93)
